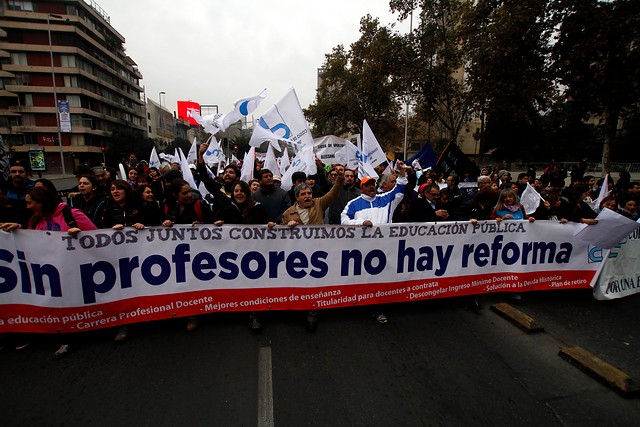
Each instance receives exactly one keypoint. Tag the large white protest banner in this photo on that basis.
(326, 148)
(610, 229)
(50, 281)
(620, 276)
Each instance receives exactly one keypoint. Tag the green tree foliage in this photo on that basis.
(359, 84)
(508, 47)
(597, 60)
(434, 76)
(551, 78)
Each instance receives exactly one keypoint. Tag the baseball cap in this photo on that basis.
(366, 180)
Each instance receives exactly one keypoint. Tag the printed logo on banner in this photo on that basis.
(279, 126)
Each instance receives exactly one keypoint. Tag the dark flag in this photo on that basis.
(453, 160)
(426, 157)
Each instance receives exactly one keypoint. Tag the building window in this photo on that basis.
(150, 129)
(68, 61)
(28, 99)
(22, 79)
(28, 120)
(19, 58)
(70, 81)
(26, 6)
(71, 10)
(74, 100)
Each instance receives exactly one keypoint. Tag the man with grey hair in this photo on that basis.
(307, 210)
(484, 181)
(386, 183)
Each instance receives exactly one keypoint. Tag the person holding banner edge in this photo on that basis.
(50, 214)
(309, 211)
(243, 210)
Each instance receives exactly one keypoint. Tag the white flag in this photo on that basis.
(284, 161)
(530, 199)
(212, 123)
(246, 173)
(416, 165)
(243, 107)
(348, 156)
(372, 152)
(286, 121)
(304, 161)
(310, 159)
(214, 153)
(123, 173)
(154, 160)
(186, 171)
(366, 169)
(604, 192)
(169, 158)
(261, 134)
(271, 163)
(203, 189)
(192, 156)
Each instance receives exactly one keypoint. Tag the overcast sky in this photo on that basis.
(216, 51)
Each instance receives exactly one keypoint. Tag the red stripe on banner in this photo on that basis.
(28, 318)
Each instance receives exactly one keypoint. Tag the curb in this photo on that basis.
(525, 322)
(601, 370)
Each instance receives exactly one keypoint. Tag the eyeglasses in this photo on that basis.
(436, 195)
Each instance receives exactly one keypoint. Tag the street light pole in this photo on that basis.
(160, 114)
(55, 91)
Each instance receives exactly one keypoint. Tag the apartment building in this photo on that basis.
(65, 56)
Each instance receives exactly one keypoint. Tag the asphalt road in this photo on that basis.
(436, 363)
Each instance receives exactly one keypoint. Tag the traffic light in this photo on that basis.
(235, 149)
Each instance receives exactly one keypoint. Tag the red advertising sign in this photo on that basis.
(185, 109)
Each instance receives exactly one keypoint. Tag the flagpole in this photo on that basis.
(406, 100)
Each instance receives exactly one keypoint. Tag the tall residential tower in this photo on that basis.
(65, 55)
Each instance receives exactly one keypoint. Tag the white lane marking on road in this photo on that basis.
(265, 388)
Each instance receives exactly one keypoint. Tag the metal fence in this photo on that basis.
(592, 168)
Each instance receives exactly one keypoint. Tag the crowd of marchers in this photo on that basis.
(152, 196)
